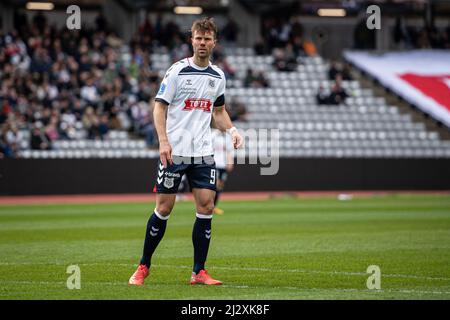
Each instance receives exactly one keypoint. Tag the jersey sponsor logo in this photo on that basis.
(197, 103)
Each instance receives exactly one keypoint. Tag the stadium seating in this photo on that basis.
(365, 126)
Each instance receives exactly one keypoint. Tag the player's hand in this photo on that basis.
(165, 153)
(238, 141)
(230, 167)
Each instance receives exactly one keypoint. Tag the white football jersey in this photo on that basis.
(222, 147)
(191, 93)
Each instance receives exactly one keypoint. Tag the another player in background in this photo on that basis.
(224, 162)
(191, 95)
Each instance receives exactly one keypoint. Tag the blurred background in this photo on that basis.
(356, 108)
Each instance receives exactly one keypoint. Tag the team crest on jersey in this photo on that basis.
(168, 182)
(212, 83)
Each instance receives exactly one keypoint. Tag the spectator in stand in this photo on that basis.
(39, 140)
(284, 59)
(147, 131)
(52, 129)
(5, 149)
(333, 71)
(338, 93)
(91, 122)
(90, 93)
(41, 62)
(260, 48)
(230, 32)
(338, 69)
(253, 80)
(346, 72)
(322, 97)
(103, 127)
(13, 139)
(236, 109)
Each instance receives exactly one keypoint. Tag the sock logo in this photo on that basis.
(154, 234)
(208, 234)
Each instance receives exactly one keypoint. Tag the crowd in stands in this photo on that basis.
(284, 39)
(51, 80)
(404, 36)
(410, 37)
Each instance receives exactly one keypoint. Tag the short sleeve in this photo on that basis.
(167, 88)
(220, 100)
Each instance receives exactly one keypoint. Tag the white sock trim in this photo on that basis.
(203, 216)
(161, 216)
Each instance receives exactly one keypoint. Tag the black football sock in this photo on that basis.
(201, 235)
(156, 226)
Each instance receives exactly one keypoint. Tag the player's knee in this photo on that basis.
(206, 208)
(164, 209)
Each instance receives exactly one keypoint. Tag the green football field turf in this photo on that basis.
(317, 248)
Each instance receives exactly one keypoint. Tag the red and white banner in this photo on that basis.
(421, 77)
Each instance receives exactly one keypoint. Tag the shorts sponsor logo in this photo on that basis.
(173, 175)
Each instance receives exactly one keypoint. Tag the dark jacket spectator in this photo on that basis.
(39, 140)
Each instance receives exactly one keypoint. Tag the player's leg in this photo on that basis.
(201, 236)
(156, 226)
(201, 233)
(167, 182)
(203, 181)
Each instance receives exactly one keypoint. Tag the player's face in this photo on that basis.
(203, 43)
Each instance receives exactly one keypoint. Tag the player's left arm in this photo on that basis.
(223, 122)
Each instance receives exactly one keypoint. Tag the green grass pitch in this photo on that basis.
(316, 248)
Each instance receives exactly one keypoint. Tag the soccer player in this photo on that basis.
(224, 163)
(191, 93)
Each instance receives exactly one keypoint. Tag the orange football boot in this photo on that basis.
(204, 278)
(139, 275)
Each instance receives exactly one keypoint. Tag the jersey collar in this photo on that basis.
(192, 64)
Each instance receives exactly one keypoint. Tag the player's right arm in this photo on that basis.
(159, 118)
(163, 99)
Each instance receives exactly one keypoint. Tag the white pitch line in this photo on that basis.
(240, 269)
(315, 271)
(125, 284)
